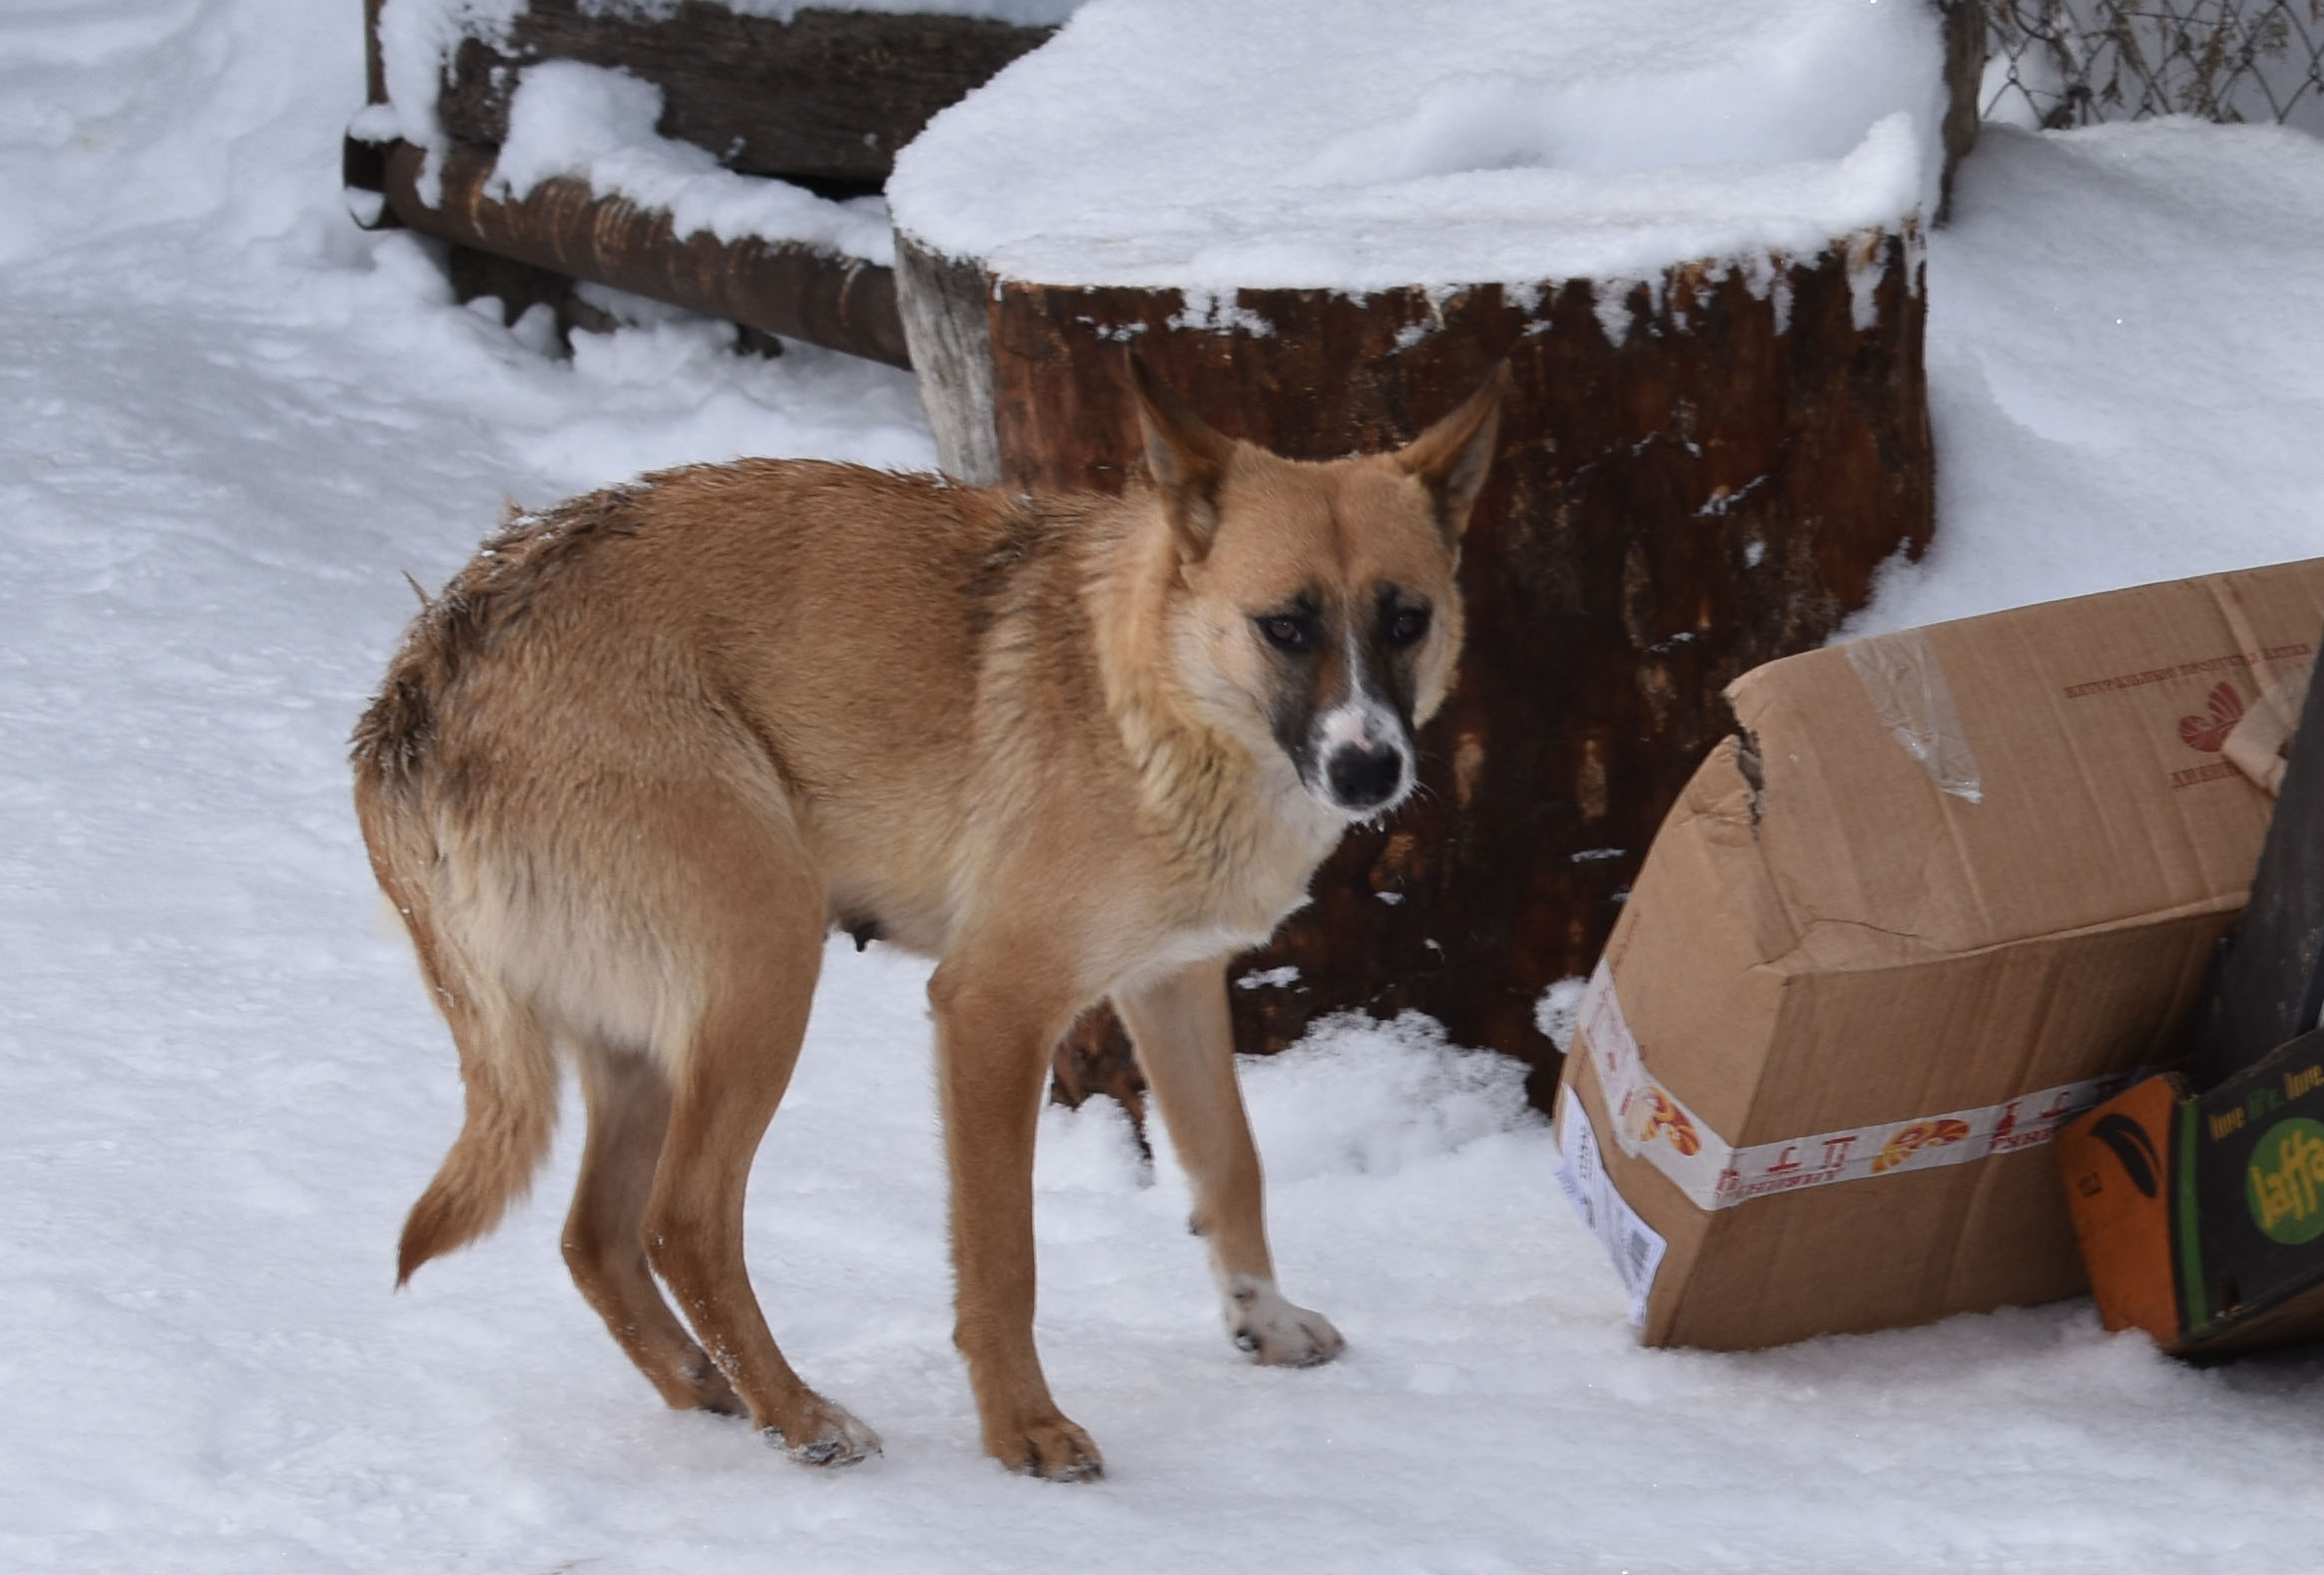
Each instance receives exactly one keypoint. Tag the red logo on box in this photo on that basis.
(1910, 1140)
(2209, 732)
(1664, 1119)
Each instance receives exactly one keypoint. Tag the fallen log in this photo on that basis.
(844, 303)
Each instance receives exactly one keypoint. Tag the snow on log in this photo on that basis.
(818, 93)
(630, 144)
(1695, 230)
(796, 291)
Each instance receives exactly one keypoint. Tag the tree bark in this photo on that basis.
(1697, 474)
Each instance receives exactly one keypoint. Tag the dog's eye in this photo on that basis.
(1407, 625)
(1286, 632)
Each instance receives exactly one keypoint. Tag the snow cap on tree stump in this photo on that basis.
(1217, 145)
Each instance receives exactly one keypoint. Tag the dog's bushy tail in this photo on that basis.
(509, 1073)
(507, 1061)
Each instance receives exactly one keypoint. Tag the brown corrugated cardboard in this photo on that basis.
(1942, 889)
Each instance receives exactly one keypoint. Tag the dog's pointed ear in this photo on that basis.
(1451, 459)
(1187, 458)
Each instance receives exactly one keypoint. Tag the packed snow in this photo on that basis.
(2129, 305)
(1370, 144)
(230, 422)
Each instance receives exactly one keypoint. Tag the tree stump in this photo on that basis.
(1698, 474)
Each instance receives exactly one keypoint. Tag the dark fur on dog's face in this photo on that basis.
(1324, 597)
(1350, 626)
(1343, 707)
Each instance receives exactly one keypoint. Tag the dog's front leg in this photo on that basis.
(995, 1036)
(1185, 1041)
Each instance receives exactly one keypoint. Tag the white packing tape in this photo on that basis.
(1906, 685)
(1651, 1120)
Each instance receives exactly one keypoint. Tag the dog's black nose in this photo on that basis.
(1365, 776)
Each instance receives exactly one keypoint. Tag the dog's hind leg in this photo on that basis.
(756, 929)
(605, 1246)
(1184, 1037)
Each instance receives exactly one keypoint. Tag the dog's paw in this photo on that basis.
(1276, 1332)
(1047, 1446)
(829, 1436)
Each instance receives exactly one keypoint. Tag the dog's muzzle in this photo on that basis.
(1363, 759)
(1363, 778)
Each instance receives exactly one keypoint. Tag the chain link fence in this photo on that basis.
(2059, 63)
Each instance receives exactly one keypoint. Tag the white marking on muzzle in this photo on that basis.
(1367, 723)
(1358, 720)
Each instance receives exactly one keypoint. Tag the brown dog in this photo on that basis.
(644, 751)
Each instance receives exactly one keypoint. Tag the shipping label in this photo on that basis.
(1653, 1123)
(1636, 1247)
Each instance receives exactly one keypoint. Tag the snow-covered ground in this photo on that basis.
(228, 422)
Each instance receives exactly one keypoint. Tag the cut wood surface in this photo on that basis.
(828, 96)
(1696, 477)
(793, 290)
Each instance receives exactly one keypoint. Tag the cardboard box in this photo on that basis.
(2201, 1217)
(1944, 891)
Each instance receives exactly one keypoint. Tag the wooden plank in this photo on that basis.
(791, 291)
(828, 96)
